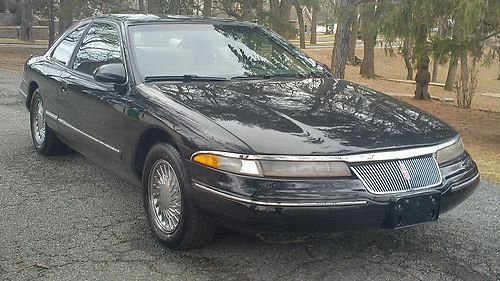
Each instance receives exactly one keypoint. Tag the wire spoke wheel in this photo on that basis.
(39, 126)
(165, 196)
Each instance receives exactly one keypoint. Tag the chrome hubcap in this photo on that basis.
(165, 196)
(39, 123)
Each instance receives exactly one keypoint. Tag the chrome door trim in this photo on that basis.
(23, 93)
(354, 158)
(51, 115)
(277, 204)
(65, 123)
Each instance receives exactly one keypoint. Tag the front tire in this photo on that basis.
(172, 216)
(44, 139)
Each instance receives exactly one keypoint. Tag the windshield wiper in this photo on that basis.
(269, 76)
(184, 78)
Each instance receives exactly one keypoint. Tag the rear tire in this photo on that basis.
(172, 216)
(44, 139)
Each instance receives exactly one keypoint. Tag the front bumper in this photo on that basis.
(283, 205)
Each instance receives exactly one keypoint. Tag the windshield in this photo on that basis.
(211, 50)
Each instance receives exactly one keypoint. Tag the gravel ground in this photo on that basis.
(65, 218)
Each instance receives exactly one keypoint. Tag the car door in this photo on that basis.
(92, 114)
(53, 68)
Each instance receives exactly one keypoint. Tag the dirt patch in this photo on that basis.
(13, 58)
(393, 67)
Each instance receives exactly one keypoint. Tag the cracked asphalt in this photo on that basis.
(65, 218)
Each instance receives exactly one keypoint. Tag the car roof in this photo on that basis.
(132, 19)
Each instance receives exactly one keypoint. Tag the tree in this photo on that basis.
(207, 8)
(300, 17)
(280, 16)
(370, 13)
(66, 9)
(314, 23)
(174, 7)
(154, 7)
(351, 53)
(345, 11)
(26, 32)
(52, 24)
(142, 7)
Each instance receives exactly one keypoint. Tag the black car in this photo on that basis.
(225, 123)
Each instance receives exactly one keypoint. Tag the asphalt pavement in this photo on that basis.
(66, 218)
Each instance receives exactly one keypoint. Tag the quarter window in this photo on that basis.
(100, 46)
(64, 50)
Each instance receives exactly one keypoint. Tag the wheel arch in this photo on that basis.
(31, 89)
(147, 140)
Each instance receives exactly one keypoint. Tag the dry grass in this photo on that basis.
(393, 67)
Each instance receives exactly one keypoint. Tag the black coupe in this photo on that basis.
(224, 122)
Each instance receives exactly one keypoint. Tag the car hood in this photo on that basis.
(316, 116)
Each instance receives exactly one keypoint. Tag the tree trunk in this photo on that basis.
(435, 69)
(280, 13)
(260, 11)
(207, 8)
(142, 7)
(368, 66)
(369, 31)
(173, 7)
(246, 10)
(300, 17)
(352, 40)
(463, 86)
(452, 73)
(339, 56)
(52, 24)
(65, 14)
(423, 78)
(26, 32)
(336, 42)
(498, 78)
(314, 24)
(408, 60)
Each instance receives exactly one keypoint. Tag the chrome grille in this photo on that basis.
(398, 175)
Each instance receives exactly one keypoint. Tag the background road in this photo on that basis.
(67, 218)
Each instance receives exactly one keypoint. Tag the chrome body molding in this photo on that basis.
(63, 122)
(277, 204)
(353, 158)
(51, 115)
(22, 93)
(465, 184)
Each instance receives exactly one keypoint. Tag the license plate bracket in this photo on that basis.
(412, 210)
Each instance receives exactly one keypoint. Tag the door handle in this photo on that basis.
(63, 88)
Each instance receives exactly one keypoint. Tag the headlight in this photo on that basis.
(305, 169)
(450, 152)
(229, 164)
(274, 168)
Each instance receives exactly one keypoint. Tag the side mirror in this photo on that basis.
(111, 73)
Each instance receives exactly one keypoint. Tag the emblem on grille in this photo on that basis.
(404, 171)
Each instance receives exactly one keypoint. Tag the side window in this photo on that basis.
(64, 50)
(101, 45)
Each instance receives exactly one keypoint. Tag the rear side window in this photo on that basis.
(64, 50)
(100, 46)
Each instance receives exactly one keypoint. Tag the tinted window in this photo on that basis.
(212, 50)
(101, 45)
(64, 50)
